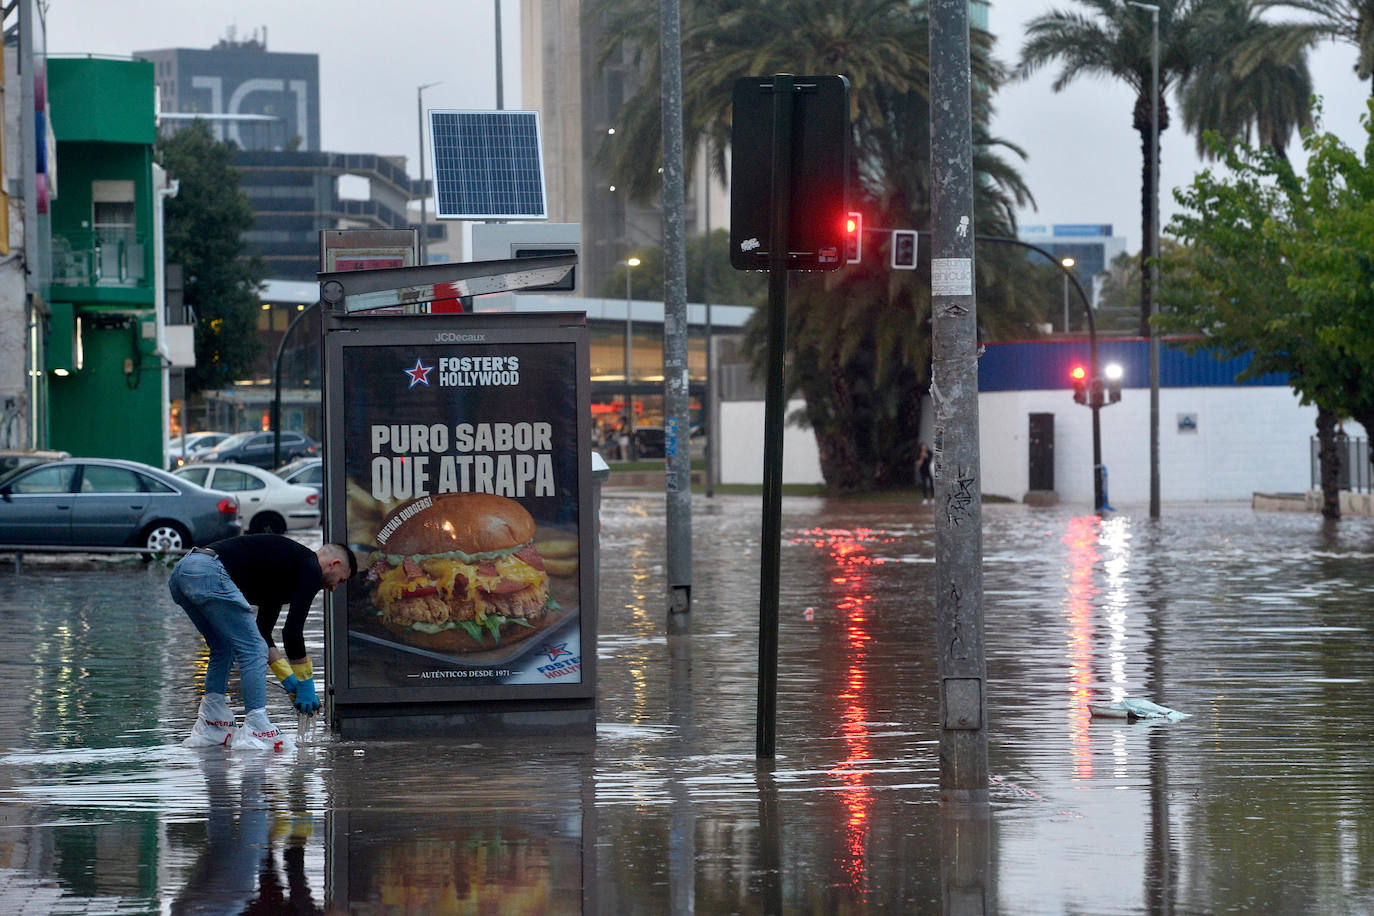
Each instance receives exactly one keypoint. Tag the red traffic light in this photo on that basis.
(853, 236)
(1079, 375)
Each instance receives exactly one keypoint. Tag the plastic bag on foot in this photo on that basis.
(214, 723)
(259, 734)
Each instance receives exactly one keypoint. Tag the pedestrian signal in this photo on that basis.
(904, 249)
(1079, 376)
(853, 236)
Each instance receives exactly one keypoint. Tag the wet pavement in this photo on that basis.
(1261, 626)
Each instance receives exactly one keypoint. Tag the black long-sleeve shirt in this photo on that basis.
(272, 570)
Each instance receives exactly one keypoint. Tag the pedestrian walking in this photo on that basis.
(218, 587)
(924, 459)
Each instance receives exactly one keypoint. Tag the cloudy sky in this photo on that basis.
(1083, 158)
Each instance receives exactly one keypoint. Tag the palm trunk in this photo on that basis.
(1142, 121)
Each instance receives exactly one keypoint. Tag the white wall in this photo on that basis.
(1248, 439)
(741, 446)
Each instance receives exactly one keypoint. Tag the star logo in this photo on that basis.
(555, 651)
(419, 375)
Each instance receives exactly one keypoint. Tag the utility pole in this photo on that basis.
(962, 663)
(677, 418)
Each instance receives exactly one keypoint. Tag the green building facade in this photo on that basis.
(106, 393)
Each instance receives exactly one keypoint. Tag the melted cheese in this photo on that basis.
(442, 573)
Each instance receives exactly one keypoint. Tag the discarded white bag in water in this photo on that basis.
(259, 734)
(214, 723)
(1132, 709)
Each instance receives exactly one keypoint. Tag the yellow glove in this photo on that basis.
(281, 668)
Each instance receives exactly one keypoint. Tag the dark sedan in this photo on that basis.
(256, 448)
(105, 502)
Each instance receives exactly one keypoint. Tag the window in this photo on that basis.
(97, 478)
(153, 485)
(195, 475)
(45, 480)
(236, 481)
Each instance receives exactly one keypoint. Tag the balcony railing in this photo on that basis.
(103, 257)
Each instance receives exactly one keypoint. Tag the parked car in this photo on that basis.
(194, 442)
(307, 472)
(107, 502)
(256, 448)
(12, 459)
(266, 502)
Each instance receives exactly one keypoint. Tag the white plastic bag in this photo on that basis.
(259, 734)
(214, 723)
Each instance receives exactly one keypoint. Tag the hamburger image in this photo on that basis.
(459, 572)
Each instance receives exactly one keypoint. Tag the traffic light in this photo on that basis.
(1113, 373)
(904, 249)
(853, 237)
(1079, 376)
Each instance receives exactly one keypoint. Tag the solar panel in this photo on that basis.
(487, 165)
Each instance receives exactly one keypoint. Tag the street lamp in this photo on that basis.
(420, 118)
(1066, 263)
(1154, 253)
(629, 365)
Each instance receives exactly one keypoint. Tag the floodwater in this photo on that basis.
(1257, 625)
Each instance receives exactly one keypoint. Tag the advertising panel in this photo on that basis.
(459, 472)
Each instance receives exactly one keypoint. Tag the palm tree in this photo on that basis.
(1351, 21)
(1115, 40)
(858, 339)
(1265, 85)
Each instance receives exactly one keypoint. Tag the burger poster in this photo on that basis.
(463, 481)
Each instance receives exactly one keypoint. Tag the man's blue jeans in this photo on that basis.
(227, 621)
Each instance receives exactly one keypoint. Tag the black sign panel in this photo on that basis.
(459, 472)
(819, 148)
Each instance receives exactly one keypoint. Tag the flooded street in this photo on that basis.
(1259, 626)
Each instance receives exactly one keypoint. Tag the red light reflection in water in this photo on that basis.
(1081, 540)
(852, 565)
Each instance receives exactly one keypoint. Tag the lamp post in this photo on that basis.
(1153, 242)
(1066, 263)
(420, 120)
(629, 365)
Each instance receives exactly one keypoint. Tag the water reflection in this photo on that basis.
(238, 871)
(1256, 625)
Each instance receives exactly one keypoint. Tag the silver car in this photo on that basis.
(107, 502)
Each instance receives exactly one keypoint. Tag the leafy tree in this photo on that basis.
(1279, 269)
(1114, 39)
(858, 338)
(205, 226)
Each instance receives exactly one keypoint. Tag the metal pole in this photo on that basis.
(276, 384)
(629, 449)
(677, 416)
(1066, 303)
(1154, 266)
(420, 123)
(500, 105)
(958, 491)
(708, 412)
(765, 740)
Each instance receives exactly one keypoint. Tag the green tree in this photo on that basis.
(1113, 39)
(858, 338)
(205, 226)
(1278, 268)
